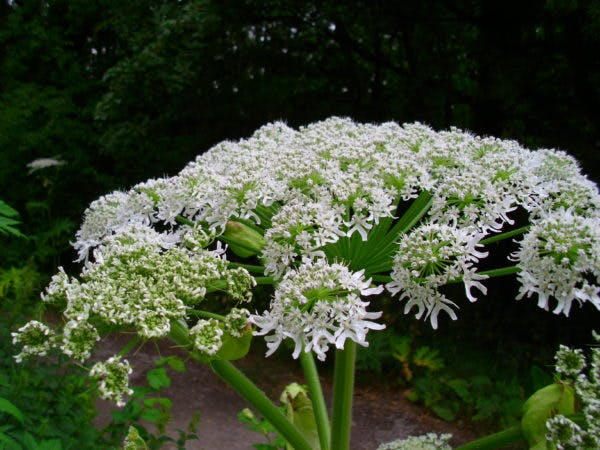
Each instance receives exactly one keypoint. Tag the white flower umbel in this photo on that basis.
(559, 259)
(317, 305)
(429, 257)
(564, 433)
(113, 379)
(404, 204)
(35, 339)
(430, 441)
(140, 278)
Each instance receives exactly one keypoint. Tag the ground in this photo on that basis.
(381, 413)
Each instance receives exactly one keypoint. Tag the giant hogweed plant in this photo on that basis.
(336, 217)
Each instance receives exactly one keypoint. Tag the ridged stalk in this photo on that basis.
(316, 396)
(343, 387)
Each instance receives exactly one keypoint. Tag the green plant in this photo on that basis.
(331, 216)
(8, 220)
(46, 405)
(264, 428)
(147, 405)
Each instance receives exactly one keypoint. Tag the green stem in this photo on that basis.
(501, 271)
(505, 235)
(246, 388)
(496, 440)
(257, 398)
(132, 343)
(248, 267)
(343, 386)
(184, 221)
(316, 396)
(381, 278)
(206, 314)
(265, 280)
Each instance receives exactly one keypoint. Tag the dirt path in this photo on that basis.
(380, 415)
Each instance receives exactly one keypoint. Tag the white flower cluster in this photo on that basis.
(559, 259)
(316, 305)
(405, 206)
(429, 441)
(563, 432)
(113, 379)
(35, 339)
(430, 256)
(139, 278)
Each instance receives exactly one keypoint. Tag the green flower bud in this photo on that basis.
(243, 240)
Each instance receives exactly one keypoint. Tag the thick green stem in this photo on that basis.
(343, 386)
(497, 440)
(316, 396)
(257, 398)
(246, 388)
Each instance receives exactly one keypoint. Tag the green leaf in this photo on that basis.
(158, 378)
(7, 210)
(446, 410)
(163, 402)
(50, 444)
(233, 348)
(152, 415)
(299, 410)
(29, 441)
(461, 388)
(10, 443)
(8, 408)
(553, 399)
(173, 362)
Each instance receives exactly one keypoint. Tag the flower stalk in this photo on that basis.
(343, 387)
(316, 396)
(257, 398)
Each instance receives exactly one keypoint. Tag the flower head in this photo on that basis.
(318, 305)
